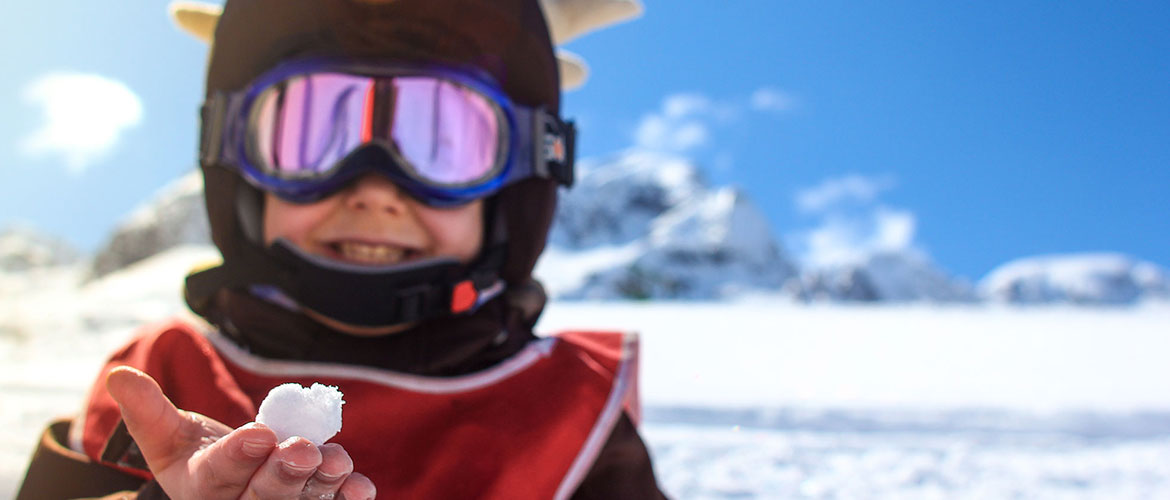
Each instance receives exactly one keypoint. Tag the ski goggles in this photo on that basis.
(305, 129)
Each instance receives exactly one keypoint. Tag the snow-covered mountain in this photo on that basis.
(23, 248)
(905, 276)
(639, 226)
(643, 225)
(1097, 279)
(174, 216)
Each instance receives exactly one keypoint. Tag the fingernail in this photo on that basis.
(327, 477)
(294, 441)
(294, 469)
(256, 448)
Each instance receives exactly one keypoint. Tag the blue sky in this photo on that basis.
(977, 132)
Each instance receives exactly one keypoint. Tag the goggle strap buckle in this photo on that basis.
(413, 303)
(554, 147)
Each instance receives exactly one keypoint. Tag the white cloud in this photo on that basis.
(687, 121)
(693, 105)
(683, 105)
(682, 123)
(85, 115)
(849, 238)
(894, 229)
(841, 190)
(851, 224)
(660, 133)
(679, 126)
(768, 99)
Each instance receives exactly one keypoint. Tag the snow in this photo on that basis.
(313, 413)
(178, 192)
(706, 462)
(757, 398)
(55, 331)
(613, 201)
(23, 248)
(174, 216)
(890, 276)
(562, 272)
(1092, 278)
(667, 233)
(914, 356)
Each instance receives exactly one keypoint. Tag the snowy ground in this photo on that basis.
(758, 399)
(767, 400)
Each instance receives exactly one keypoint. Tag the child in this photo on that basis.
(380, 178)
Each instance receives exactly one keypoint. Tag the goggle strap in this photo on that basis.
(559, 144)
(553, 144)
(217, 142)
(211, 115)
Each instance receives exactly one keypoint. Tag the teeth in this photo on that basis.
(371, 254)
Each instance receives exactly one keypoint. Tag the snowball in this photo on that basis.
(313, 413)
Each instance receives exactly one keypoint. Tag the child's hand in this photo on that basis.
(193, 456)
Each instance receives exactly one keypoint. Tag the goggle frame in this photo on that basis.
(531, 141)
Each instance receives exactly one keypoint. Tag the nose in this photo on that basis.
(375, 193)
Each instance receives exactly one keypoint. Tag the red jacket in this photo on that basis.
(536, 422)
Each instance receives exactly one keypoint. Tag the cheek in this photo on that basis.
(457, 232)
(287, 220)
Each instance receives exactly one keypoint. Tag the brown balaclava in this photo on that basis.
(506, 38)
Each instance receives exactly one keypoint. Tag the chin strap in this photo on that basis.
(352, 294)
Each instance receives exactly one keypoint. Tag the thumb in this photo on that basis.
(151, 418)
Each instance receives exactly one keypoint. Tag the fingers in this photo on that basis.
(226, 467)
(335, 478)
(287, 469)
(155, 423)
(196, 455)
(184, 449)
(358, 487)
(298, 468)
(335, 467)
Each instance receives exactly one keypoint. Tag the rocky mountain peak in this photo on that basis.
(646, 225)
(23, 248)
(174, 216)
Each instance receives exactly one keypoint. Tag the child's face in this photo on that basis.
(373, 222)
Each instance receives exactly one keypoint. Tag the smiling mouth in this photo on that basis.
(371, 253)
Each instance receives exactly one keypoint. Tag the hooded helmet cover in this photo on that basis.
(508, 39)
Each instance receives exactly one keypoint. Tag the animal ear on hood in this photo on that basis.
(567, 20)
